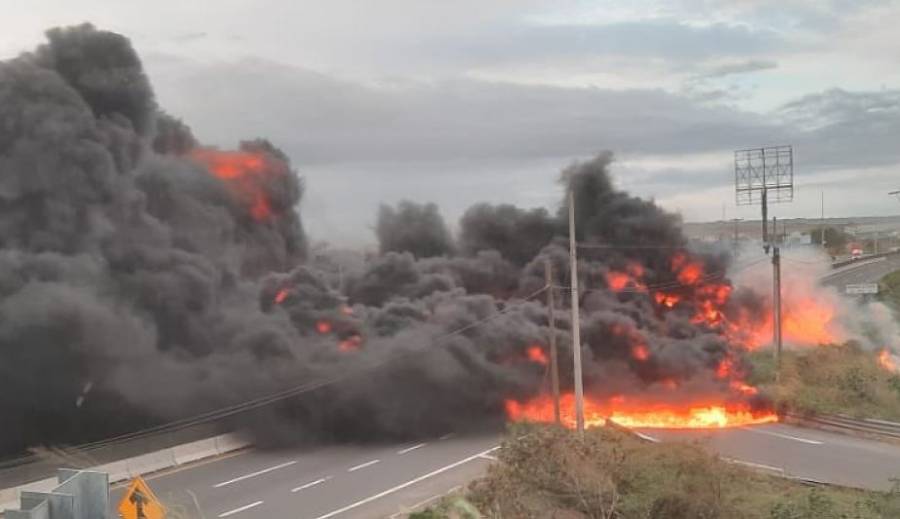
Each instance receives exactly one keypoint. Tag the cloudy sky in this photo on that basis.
(479, 100)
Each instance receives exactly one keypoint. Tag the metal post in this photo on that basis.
(576, 330)
(765, 221)
(551, 318)
(775, 236)
(776, 277)
(735, 243)
(765, 201)
(822, 222)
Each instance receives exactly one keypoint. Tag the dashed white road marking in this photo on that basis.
(488, 457)
(311, 484)
(241, 509)
(446, 436)
(363, 465)
(410, 449)
(254, 474)
(406, 484)
(785, 436)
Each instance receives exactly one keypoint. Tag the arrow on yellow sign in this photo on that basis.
(140, 502)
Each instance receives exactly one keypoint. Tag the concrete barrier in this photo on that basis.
(117, 470)
(152, 462)
(137, 466)
(195, 451)
(229, 443)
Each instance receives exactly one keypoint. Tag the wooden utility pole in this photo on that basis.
(551, 319)
(576, 329)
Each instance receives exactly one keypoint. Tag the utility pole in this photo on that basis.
(576, 327)
(822, 222)
(776, 296)
(735, 243)
(551, 318)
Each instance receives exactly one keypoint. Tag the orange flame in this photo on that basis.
(323, 326)
(352, 343)
(282, 295)
(667, 300)
(654, 415)
(617, 281)
(244, 173)
(886, 361)
(536, 354)
(640, 352)
(690, 274)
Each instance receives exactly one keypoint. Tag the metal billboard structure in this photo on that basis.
(763, 176)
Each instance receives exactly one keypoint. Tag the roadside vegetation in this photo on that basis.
(834, 379)
(889, 291)
(547, 472)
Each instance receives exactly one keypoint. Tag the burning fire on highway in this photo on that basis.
(648, 415)
(201, 259)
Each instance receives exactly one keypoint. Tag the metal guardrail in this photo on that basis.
(851, 261)
(871, 427)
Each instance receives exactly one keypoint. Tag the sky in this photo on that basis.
(469, 101)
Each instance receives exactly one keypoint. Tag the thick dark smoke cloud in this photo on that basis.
(415, 228)
(144, 278)
(517, 234)
(125, 270)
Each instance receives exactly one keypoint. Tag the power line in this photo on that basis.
(255, 403)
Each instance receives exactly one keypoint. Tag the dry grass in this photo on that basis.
(835, 379)
(550, 473)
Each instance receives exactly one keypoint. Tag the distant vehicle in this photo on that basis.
(856, 253)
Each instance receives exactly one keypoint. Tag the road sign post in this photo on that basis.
(139, 502)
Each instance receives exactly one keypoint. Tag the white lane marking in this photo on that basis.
(646, 437)
(446, 436)
(785, 436)
(311, 484)
(241, 509)
(411, 482)
(254, 474)
(410, 449)
(488, 457)
(363, 465)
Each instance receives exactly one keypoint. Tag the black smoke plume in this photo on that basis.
(145, 278)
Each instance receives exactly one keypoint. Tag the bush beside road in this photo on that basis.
(545, 471)
(840, 379)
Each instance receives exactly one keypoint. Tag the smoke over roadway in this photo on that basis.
(146, 278)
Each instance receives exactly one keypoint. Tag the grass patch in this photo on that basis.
(889, 290)
(612, 475)
(834, 379)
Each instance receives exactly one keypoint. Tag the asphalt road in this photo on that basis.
(341, 482)
(378, 481)
(868, 271)
(800, 453)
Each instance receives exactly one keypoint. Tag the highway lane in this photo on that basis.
(381, 480)
(339, 481)
(800, 452)
(866, 272)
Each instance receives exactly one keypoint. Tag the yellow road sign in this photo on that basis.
(139, 502)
